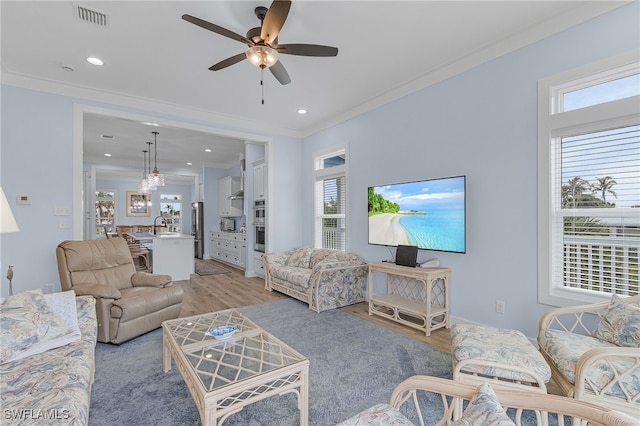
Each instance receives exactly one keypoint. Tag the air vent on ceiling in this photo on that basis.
(91, 16)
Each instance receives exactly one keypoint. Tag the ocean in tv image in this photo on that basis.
(429, 214)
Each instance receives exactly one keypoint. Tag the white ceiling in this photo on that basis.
(152, 57)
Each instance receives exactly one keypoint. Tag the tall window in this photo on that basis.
(330, 176)
(589, 183)
(105, 219)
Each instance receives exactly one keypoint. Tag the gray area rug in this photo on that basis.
(353, 364)
(203, 268)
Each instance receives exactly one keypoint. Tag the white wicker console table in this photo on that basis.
(416, 297)
(224, 376)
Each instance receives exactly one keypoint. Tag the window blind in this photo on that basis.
(333, 205)
(596, 225)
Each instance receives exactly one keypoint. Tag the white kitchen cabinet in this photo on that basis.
(259, 187)
(226, 207)
(229, 247)
(258, 265)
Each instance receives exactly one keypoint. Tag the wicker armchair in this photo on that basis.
(586, 367)
(431, 401)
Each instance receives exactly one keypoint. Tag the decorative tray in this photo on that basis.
(222, 332)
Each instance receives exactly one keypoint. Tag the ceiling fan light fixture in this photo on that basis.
(262, 56)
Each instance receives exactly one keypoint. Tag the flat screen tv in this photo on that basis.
(429, 214)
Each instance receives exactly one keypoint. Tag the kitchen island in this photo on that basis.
(171, 253)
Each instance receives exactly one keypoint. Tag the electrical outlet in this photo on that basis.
(500, 305)
(48, 288)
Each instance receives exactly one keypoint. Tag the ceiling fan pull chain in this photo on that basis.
(262, 83)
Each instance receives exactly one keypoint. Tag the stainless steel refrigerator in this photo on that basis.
(197, 228)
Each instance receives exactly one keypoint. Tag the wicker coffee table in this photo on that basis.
(225, 376)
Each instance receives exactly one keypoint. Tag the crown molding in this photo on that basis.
(519, 40)
(144, 104)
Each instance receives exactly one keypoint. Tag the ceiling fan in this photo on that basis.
(263, 41)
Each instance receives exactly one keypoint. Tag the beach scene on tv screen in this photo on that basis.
(428, 214)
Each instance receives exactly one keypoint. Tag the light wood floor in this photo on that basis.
(223, 291)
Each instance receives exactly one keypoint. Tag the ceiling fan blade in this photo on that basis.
(274, 20)
(280, 73)
(307, 50)
(228, 62)
(217, 29)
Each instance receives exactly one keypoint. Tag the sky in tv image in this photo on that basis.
(428, 214)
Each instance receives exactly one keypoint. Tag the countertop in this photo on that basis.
(161, 236)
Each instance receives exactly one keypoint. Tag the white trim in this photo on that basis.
(151, 105)
(80, 109)
(553, 25)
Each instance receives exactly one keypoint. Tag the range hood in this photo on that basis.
(239, 195)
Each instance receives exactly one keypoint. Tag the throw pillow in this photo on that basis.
(378, 415)
(300, 257)
(28, 327)
(484, 409)
(63, 305)
(620, 325)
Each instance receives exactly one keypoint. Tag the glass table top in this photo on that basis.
(251, 351)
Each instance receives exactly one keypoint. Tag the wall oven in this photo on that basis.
(259, 244)
(259, 212)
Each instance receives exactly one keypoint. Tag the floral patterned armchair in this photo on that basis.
(593, 351)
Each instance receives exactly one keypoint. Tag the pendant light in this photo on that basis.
(143, 187)
(155, 177)
(150, 182)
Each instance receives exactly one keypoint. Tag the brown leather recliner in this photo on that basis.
(128, 303)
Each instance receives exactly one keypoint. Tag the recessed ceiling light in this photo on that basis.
(148, 123)
(107, 155)
(207, 150)
(189, 163)
(302, 111)
(107, 136)
(68, 67)
(94, 61)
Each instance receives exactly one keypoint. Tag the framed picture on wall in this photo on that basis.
(138, 204)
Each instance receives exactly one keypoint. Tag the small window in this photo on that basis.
(171, 211)
(105, 218)
(596, 94)
(333, 161)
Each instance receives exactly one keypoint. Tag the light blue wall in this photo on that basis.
(482, 124)
(36, 160)
(285, 182)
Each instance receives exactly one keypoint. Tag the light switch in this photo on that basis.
(24, 199)
(64, 224)
(61, 211)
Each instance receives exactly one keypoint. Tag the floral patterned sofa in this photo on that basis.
(593, 351)
(323, 278)
(48, 358)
